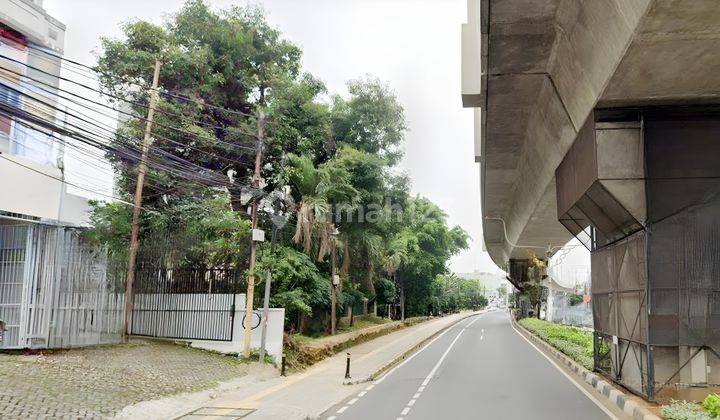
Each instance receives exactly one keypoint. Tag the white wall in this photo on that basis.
(274, 340)
(158, 316)
(29, 188)
(34, 190)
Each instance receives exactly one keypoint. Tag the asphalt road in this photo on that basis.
(478, 369)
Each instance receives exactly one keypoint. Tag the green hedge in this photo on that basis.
(574, 342)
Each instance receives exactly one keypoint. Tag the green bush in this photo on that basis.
(683, 410)
(712, 405)
(575, 299)
(574, 342)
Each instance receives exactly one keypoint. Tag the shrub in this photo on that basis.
(575, 299)
(574, 342)
(712, 405)
(683, 410)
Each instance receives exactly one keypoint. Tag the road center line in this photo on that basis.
(382, 378)
(425, 382)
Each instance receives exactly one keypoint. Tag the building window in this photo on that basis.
(12, 98)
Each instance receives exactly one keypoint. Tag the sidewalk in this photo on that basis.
(308, 394)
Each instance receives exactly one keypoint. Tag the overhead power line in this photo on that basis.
(95, 71)
(114, 97)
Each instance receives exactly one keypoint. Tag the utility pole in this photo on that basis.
(266, 300)
(333, 289)
(142, 169)
(402, 299)
(253, 247)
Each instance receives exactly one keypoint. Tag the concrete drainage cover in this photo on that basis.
(219, 412)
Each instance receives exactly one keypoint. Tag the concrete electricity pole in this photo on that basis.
(142, 169)
(333, 288)
(253, 246)
(266, 299)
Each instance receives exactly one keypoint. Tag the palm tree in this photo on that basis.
(396, 255)
(319, 189)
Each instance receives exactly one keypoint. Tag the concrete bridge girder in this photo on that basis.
(546, 65)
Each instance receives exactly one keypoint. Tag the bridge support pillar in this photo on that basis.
(641, 189)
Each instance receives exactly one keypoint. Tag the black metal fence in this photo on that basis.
(186, 303)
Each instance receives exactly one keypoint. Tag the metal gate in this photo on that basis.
(13, 243)
(54, 291)
(185, 303)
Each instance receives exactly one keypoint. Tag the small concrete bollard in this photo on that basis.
(347, 367)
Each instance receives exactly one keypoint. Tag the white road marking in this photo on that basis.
(434, 369)
(422, 387)
(569, 378)
(331, 418)
(473, 321)
(442, 358)
(382, 378)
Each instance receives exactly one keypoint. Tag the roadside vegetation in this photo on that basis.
(302, 351)
(576, 343)
(684, 410)
(329, 168)
(449, 294)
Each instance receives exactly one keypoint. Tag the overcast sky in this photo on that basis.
(413, 45)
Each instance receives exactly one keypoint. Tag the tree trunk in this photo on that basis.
(402, 300)
(304, 323)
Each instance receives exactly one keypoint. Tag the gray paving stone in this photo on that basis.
(96, 383)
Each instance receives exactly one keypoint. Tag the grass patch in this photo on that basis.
(343, 326)
(360, 323)
(574, 342)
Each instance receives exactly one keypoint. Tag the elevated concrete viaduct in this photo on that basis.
(599, 119)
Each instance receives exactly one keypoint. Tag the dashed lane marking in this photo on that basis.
(425, 382)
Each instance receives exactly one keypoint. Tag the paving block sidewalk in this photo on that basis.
(98, 382)
(308, 394)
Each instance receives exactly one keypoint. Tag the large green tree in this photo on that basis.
(219, 70)
(336, 154)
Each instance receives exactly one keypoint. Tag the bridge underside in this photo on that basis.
(551, 73)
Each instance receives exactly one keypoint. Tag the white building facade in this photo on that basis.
(53, 288)
(31, 160)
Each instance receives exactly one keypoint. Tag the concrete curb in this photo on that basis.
(386, 367)
(614, 395)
